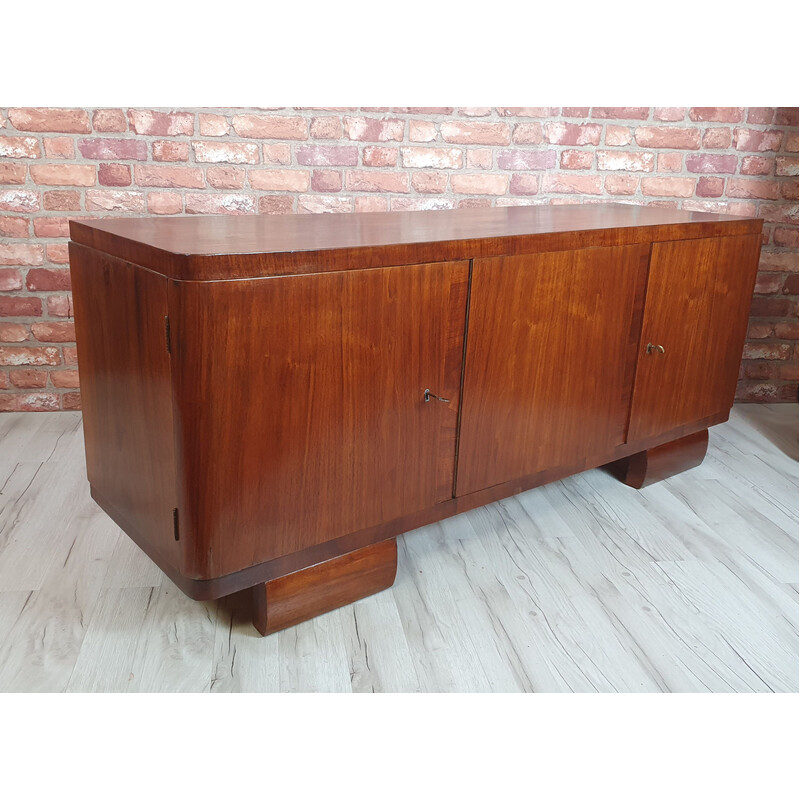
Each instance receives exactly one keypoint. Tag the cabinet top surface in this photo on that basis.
(162, 243)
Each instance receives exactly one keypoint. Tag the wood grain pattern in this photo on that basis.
(298, 597)
(126, 392)
(224, 247)
(648, 466)
(698, 298)
(550, 351)
(301, 407)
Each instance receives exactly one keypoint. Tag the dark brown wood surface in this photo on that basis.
(301, 411)
(323, 587)
(551, 347)
(219, 247)
(126, 394)
(698, 300)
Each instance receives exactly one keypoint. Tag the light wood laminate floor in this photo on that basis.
(584, 585)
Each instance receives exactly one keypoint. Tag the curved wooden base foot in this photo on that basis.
(649, 466)
(316, 590)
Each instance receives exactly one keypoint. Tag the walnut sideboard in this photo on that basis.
(269, 401)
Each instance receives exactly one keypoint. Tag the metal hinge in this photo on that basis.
(167, 334)
(175, 524)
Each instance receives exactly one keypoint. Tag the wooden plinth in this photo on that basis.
(648, 466)
(286, 601)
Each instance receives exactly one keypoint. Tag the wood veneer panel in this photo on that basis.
(698, 301)
(126, 395)
(551, 348)
(301, 409)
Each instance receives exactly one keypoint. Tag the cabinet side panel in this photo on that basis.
(124, 367)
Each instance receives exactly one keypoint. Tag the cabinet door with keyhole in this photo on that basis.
(551, 350)
(302, 407)
(698, 297)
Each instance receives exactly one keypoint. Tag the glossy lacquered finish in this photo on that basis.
(321, 401)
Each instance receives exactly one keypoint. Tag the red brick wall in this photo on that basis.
(61, 163)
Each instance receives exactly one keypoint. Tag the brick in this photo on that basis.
(627, 112)
(475, 111)
(113, 149)
(279, 180)
(709, 163)
(226, 152)
(429, 182)
(19, 147)
(575, 111)
(169, 177)
(376, 203)
(48, 280)
(276, 204)
(670, 162)
(753, 188)
(29, 356)
(51, 227)
(12, 174)
(114, 200)
(668, 137)
(526, 159)
(756, 392)
(28, 378)
(669, 114)
(542, 112)
(20, 200)
(421, 130)
(710, 187)
(164, 150)
(771, 351)
(479, 184)
(758, 370)
(522, 184)
(213, 125)
(374, 156)
(757, 165)
(570, 134)
(251, 126)
(277, 154)
(225, 177)
(71, 401)
(36, 401)
(432, 157)
(423, 110)
(421, 203)
(114, 174)
(791, 143)
(786, 116)
(479, 158)
(476, 132)
(787, 330)
(164, 203)
(716, 114)
(780, 262)
(14, 228)
(717, 139)
(621, 184)
(786, 165)
(63, 199)
(326, 180)
(790, 285)
(374, 181)
(327, 155)
(782, 213)
(63, 174)
(572, 184)
(65, 378)
(26, 255)
(789, 190)
(234, 204)
(326, 128)
(363, 129)
(313, 204)
(760, 116)
(769, 307)
(617, 136)
(577, 159)
(668, 187)
(109, 120)
(58, 253)
(768, 283)
(621, 161)
(485, 202)
(3, 375)
(787, 372)
(786, 237)
(13, 332)
(161, 123)
(50, 120)
(59, 305)
(70, 354)
(10, 280)
(755, 141)
(53, 331)
(20, 306)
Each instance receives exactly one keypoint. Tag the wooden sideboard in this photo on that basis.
(269, 401)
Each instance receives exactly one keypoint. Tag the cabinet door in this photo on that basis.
(551, 349)
(698, 298)
(301, 408)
